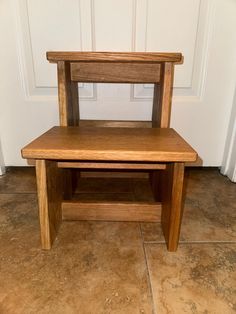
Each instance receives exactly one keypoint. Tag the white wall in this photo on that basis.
(204, 84)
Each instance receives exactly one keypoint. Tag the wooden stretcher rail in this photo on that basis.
(111, 211)
(107, 165)
(103, 72)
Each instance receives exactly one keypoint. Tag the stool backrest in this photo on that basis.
(114, 67)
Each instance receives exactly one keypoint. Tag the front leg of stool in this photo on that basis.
(172, 203)
(50, 193)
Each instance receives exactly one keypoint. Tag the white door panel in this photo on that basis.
(52, 24)
(172, 26)
(204, 84)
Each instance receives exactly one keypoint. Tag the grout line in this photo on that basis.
(194, 242)
(154, 311)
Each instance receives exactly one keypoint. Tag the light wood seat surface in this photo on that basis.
(117, 144)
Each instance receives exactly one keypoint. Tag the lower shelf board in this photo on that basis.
(112, 211)
(111, 165)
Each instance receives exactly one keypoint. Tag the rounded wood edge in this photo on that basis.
(106, 56)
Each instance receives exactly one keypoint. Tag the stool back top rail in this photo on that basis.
(114, 67)
(129, 145)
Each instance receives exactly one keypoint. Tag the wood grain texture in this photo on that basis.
(112, 123)
(163, 97)
(122, 147)
(67, 96)
(68, 177)
(156, 105)
(155, 181)
(115, 124)
(114, 174)
(111, 211)
(146, 57)
(111, 165)
(50, 189)
(115, 72)
(74, 89)
(172, 203)
(110, 144)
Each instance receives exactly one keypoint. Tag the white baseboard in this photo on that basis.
(2, 170)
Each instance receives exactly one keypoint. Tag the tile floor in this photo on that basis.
(107, 267)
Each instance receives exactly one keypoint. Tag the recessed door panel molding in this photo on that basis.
(184, 26)
(61, 29)
(113, 23)
(204, 84)
(146, 25)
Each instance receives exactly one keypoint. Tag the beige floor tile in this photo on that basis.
(93, 267)
(152, 232)
(117, 233)
(209, 211)
(100, 267)
(19, 226)
(198, 278)
(18, 180)
(89, 278)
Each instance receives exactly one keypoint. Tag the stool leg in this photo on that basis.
(50, 186)
(155, 180)
(68, 183)
(172, 209)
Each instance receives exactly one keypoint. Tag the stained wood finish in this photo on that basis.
(155, 181)
(156, 105)
(69, 183)
(114, 174)
(151, 146)
(111, 211)
(50, 191)
(111, 165)
(146, 57)
(115, 72)
(172, 203)
(162, 97)
(115, 124)
(67, 95)
(110, 144)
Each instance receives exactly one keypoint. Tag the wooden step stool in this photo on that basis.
(157, 148)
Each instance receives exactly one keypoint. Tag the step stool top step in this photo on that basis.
(109, 56)
(110, 144)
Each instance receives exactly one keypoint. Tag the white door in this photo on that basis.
(204, 31)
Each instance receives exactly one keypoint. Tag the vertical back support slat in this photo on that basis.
(162, 97)
(161, 115)
(156, 106)
(68, 96)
